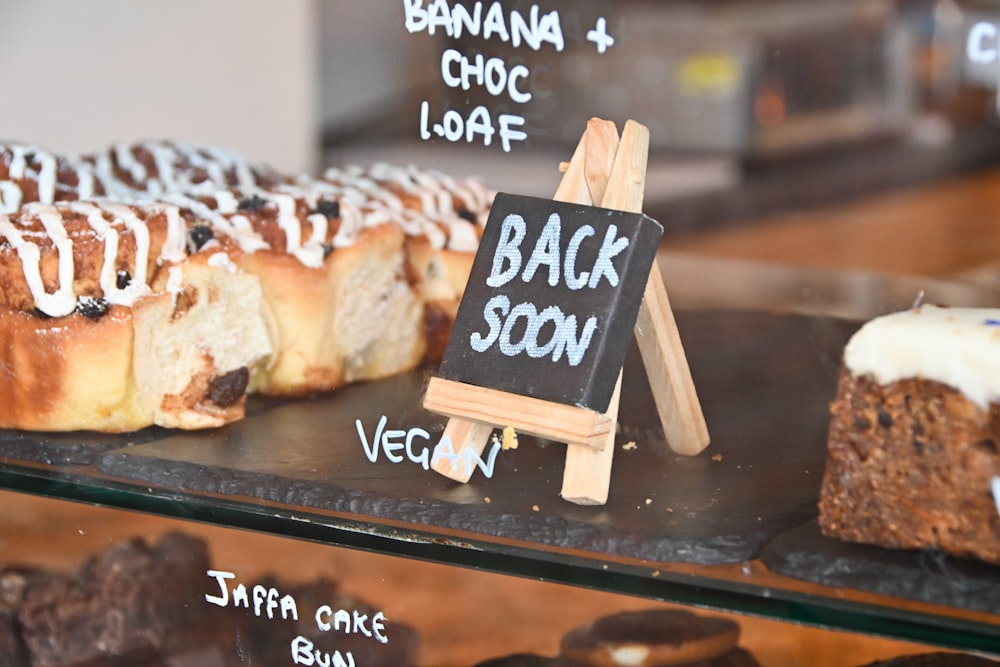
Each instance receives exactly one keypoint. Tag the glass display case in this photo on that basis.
(812, 168)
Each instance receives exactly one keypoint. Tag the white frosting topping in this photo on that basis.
(958, 347)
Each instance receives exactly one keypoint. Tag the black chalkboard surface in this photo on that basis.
(552, 300)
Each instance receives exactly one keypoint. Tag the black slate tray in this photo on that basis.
(72, 448)
(764, 381)
(923, 575)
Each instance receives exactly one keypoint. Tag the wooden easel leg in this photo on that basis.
(587, 473)
(668, 371)
(656, 330)
(464, 436)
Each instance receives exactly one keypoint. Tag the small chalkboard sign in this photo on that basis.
(542, 329)
(552, 300)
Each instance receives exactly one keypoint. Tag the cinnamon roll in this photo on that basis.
(185, 277)
(108, 324)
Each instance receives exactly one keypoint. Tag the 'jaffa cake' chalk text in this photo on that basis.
(270, 603)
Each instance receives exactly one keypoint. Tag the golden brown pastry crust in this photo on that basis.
(68, 373)
(335, 258)
(354, 318)
(170, 360)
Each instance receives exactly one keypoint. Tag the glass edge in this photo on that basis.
(373, 536)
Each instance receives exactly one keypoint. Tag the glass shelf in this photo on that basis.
(693, 530)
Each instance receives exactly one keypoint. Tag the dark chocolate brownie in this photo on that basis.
(130, 603)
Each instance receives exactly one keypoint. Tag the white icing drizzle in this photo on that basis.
(290, 225)
(86, 180)
(18, 169)
(220, 260)
(18, 161)
(175, 279)
(164, 159)
(141, 233)
(995, 485)
(235, 227)
(126, 160)
(113, 187)
(958, 347)
(435, 192)
(63, 300)
(10, 196)
(226, 202)
(362, 205)
(320, 226)
(175, 164)
(109, 276)
(352, 221)
(226, 218)
(44, 168)
(367, 197)
(244, 228)
(174, 246)
(46, 177)
(245, 176)
(105, 232)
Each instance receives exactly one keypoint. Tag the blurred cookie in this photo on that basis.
(652, 638)
(941, 659)
(523, 660)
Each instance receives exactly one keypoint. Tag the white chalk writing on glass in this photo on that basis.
(488, 22)
(269, 602)
(982, 48)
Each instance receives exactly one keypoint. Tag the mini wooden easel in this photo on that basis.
(612, 173)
